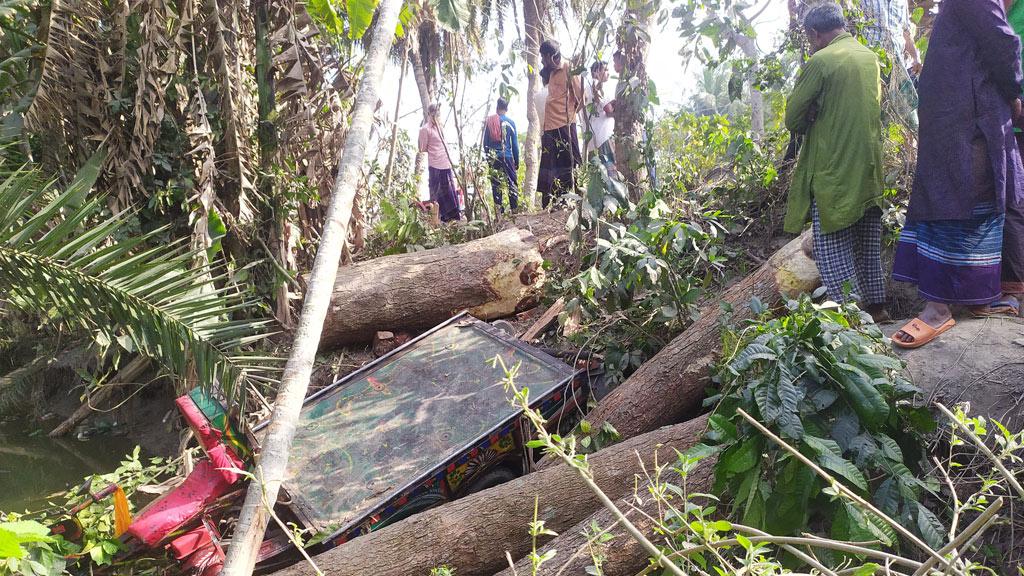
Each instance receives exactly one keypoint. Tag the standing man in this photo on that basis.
(601, 123)
(888, 28)
(835, 104)
(441, 179)
(962, 242)
(501, 143)
(559, 145)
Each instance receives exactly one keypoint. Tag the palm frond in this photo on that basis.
(139, 292)
(228, 28)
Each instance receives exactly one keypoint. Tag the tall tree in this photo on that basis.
(631, 101)
(535, 22)
(272, 463)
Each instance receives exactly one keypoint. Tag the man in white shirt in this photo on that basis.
(599, 108)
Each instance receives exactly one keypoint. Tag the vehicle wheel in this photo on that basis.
(490, 479)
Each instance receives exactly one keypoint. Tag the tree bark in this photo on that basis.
(670, 386)
(492, 277)
(472, 534)
(533, 24)
(622, 554)
(273, 459)
(631, 96)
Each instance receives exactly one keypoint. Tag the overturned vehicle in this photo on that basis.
(425, 424)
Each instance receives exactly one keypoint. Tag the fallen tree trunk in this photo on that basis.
(472, 534)
(270, 465)
(669, 387)
(492, 277)
(621, 554)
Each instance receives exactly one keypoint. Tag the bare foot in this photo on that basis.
(878, 313)
(934, 315)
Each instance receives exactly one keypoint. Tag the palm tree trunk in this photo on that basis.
(389, 171)
(631, 96)
(266, 136)
(426, 96)
(532, 22)
(272, 463)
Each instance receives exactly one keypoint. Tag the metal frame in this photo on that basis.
(476, 324)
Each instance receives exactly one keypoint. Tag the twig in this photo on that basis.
(814, 563)
(535, 418)
(800, 541)
(985, 450)
(973, 530)
(511, 563)
(844, 490)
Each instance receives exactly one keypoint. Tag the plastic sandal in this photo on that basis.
(1002, 307)
(921, 332)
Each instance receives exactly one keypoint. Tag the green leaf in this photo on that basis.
(26, 529)
(881, 529)
(789, 417)
(721, 430)
(751, 354)
(866, 400)
(878, 361)
(890, 448)
(360, 14)
(324, 14)
(930, 527)
(887, 497)
(58, 262)
(921, 419)
(451, 14)
(741, 457)
(216, 229)
(9, 545)
(721, 526)
(830, 457)
(868, 569)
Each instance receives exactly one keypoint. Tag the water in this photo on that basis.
(33, 467)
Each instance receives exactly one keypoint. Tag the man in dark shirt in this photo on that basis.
(501, 143)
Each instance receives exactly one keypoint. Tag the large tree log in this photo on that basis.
(669, 387)
(622, 554)
(492, 277)
(472, 534)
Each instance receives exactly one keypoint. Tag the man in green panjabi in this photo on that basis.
(838, 180)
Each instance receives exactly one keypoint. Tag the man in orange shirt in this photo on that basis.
(559, 145)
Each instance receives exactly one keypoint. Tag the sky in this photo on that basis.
(675, 83)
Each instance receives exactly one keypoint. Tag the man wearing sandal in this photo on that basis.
(835, 104)
(969, 172)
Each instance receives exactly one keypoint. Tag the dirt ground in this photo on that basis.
(979, 361)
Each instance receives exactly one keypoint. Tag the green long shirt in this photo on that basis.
(1015, 17)
(841, 157)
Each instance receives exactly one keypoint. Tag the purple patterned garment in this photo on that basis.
(971, 74)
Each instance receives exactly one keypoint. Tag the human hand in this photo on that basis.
(609, 108)
(1016, 109)
(915, 67)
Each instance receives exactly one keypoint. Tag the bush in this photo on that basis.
(821, 378)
